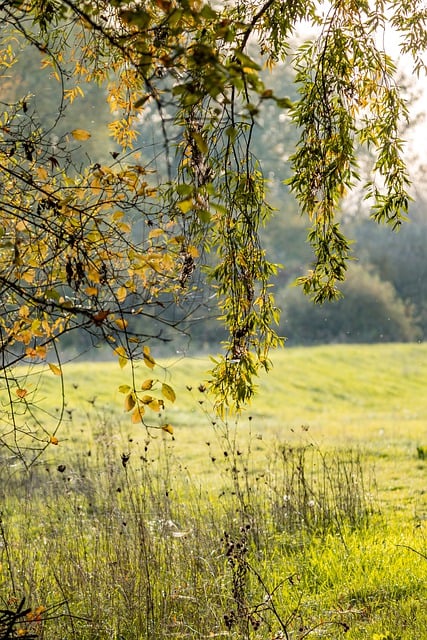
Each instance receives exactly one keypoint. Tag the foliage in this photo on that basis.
(399, 259)
(369, 311)
(111, 247)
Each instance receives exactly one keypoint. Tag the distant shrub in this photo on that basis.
(399, 258)
(370, 311)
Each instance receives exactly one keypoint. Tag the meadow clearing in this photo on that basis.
(304, 517)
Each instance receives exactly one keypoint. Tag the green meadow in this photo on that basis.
(305, 516)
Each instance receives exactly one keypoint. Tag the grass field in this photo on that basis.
(304, 517)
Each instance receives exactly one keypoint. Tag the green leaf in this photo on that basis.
(200, 142)
(138, 18)
(203, 215)
(245, 61)
(141, 101)
(284, 103)
(185, 205)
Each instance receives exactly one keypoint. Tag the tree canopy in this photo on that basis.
(110, 242)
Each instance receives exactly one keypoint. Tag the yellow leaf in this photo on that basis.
(155, 233)
(137, 415)
(40, 609)
(42, 173)
(125, 388)
(80, 134)
(21, 393)
(168, 392)
(41, 351)
(121, 353)
(124, 227)
(147, 384)
(168, 428)
(94, 275)
(148, 358)
(91, 291)
(193, 251)
(129, 402)
(54, 440)
(29, 276)
(121, 323)
(155, 405)
(121, 294)
(55, 369)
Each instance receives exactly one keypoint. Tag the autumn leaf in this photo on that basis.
(53, 440)
(80, 134)
(148, 358)
(36, 614)
(147, 384)
(121, 294)
(168, 392)
(42, 173)
(137, 415)
(121, 323)
(24, 311)
(125, 388)
(155, 233)
(168, 428)
(121, 353)
(21, 393)
(41, 351)
(155, 405)
(55, 369)
(98, 318)
(130, 402)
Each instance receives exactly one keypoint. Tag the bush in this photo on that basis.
(399, 258)
(370, 311)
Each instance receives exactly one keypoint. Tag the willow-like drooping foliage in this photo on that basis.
(110, 248)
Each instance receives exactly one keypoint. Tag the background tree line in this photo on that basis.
(385, 292)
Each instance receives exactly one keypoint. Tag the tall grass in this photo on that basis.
(242, 530)
(125, 544)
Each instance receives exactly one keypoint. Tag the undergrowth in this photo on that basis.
(121, 542)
